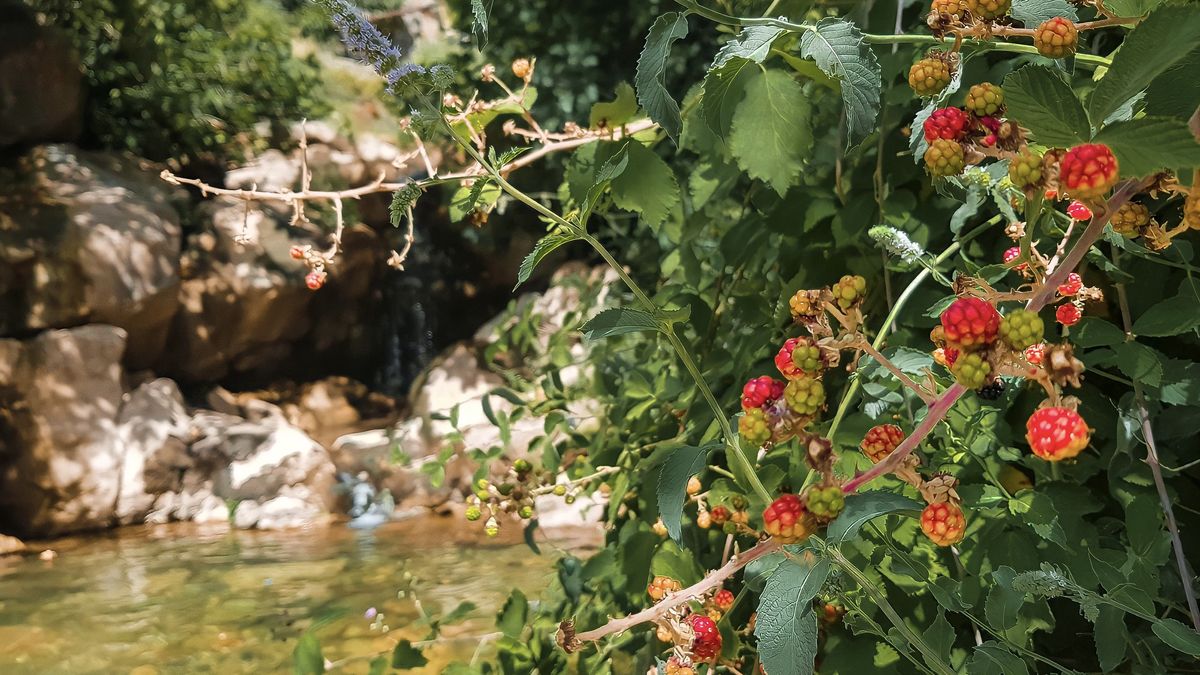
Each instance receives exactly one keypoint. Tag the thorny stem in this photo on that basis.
(1089, 60)
(901, 301)
(1185, 576)
(931, 657)
(572, 642)
(937, 410)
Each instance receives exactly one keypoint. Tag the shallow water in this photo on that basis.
(177, 599)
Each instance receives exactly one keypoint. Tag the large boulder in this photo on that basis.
(41, 83)
(60, 459)
(77, 452)
(89, 238)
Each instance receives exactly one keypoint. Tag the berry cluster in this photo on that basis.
(515, 494)
(787, 519)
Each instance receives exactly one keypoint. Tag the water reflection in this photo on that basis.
(178, 599)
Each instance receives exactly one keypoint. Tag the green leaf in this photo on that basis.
(684, 462)
(618, 321)
(724, 89)
(479, 23)
(647, 185)
(678, 563)
(306, 657)
(1042, 101)
(1148, 144)
(1139, 362)
(1178, 636)
(991, 658)
(612, 168)
(406, 656)
(865, 506)
(1145, 55)
(612, 114)
(838, 49)
(511, 619)
(402, 201)
(1176, 93)
(545, 246)
(1132, 7)
(753, 44)
(940, 636)
(1003, 602)
(651, 68)
(1033, 12)
(786, 626)
(1180, 314)
(1096, 332)
(481, 194)
(771, 137)
(1111, 637)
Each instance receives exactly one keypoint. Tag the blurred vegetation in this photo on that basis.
(185, 79)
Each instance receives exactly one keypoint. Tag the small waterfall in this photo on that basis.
(407, 325)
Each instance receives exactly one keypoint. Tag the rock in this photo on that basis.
(91, 238)
(271, 171)
(41, 84)
(153, 426)
(60, 455)
(11, 545)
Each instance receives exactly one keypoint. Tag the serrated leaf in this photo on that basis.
(511, 618)
(771, 137)
(753, 44)
(862, 507)
(1178, 636)
(618, 321)
(650, 81)
(1111, 637)
(1042, 101)
(786, 626)
(1148, 144)
(611, 114)
(612, 168)
(306, 657)
(1180, 314)
(724, 89)
(479, 23)
(1096, 332)
(482, 194)
(678, 563)
(646, 185)
(1033, 12)
(1139, 362)
(1143, 56)
(837, 47)
(545, 246)
(1003, 602)
(1176, 93)
(991, 658)
(406, 656)
(685, 462)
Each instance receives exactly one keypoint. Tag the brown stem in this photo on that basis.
(1185, 576)
(571, 642)
(896, 372)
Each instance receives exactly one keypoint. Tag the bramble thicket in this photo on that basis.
(899, 375)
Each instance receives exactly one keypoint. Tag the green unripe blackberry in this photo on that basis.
(849, 290)
(522, 466)
(754, 427)
(944, 158)
(560, 490)
(474, 513)
(805, 395)
(729, 527)
(929, 76)
(985, 99)
(526, 512)
(826, 502)
(971, 370)
(1022, 328)
(1025, 170)
(807, 357)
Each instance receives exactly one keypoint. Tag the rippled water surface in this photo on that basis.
(179, 600)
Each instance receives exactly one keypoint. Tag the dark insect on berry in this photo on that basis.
(991, 391)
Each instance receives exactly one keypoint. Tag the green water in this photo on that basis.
(178, 600)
